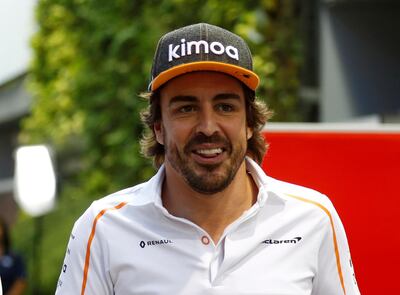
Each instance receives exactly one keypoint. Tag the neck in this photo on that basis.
(212, 212)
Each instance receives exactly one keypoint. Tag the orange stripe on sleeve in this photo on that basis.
(335, 244)
(89, 244)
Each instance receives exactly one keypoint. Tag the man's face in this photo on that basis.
(203, 129)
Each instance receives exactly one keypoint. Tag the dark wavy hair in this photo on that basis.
(257, 114)
(5, 241)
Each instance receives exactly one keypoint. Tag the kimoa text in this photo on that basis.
(194, 47)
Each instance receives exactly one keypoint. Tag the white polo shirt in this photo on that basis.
(291, 241)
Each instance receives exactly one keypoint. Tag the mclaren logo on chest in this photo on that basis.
(201, 46)
(291, 241)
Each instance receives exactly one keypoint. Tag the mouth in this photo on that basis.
(208, 156)
(209, 153)
(208, 150)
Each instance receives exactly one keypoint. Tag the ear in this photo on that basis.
(159, 132)
(249, 133)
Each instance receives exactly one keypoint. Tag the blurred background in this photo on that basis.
(71, 72)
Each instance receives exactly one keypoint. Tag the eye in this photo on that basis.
(226, 108)
(186, 109)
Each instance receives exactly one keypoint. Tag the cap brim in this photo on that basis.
(249, 78)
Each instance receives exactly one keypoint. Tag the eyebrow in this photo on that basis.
(182, 98)
(190, 98)
(223, 96)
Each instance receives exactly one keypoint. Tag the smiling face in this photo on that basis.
(203, 129)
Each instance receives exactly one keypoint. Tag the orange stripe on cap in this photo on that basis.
(335, 244)
(89, 244)
(249, 78)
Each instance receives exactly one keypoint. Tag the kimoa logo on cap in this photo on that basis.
(193, 47)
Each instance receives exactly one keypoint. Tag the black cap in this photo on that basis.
(202, 47)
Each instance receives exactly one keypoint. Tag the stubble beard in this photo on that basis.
(205, 179)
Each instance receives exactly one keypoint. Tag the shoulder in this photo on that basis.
(115, 201)
(136, 196)
(109, 210)
(125, 196)
(130, 200)
(301, 196)
(292, 194)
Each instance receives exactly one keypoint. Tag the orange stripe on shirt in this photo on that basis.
(89, 244)
(335, 244)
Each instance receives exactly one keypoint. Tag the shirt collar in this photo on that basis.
(150, 191)
(260, 179)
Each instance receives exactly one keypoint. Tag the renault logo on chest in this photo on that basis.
(201, 46)
(143, 244)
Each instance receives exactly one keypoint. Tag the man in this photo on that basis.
(210, 221)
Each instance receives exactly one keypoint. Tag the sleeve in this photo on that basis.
(335, 274)
(84, 270)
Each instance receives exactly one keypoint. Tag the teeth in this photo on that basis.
(209, 151)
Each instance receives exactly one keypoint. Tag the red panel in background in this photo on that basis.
(360, 172)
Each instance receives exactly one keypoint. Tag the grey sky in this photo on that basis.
(16, 27)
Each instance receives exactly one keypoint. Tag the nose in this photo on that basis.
(207, 122)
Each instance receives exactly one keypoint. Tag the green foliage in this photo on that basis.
(93, 58)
